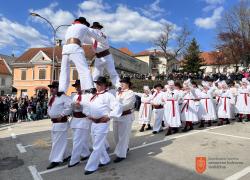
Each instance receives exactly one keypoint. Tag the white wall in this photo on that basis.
(221, 69)
(7, 88)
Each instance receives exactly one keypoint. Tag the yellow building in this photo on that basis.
(32, 71)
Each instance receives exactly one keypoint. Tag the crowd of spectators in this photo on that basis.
(13, 109)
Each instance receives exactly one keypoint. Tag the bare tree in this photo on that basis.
(180, 39)
(234, 34)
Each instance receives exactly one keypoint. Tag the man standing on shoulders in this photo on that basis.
(122, 125)
(77, 34)
(99, 108)
(80, 125)
(104, 59)
(58, 110)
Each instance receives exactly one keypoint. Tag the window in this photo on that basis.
(75, 74)
(23, 92)
(42, 74)
(225, 69)
(2, 93)
(213, 70)
(3, 82)
(23, 75)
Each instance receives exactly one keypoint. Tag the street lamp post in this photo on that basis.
(54, 40)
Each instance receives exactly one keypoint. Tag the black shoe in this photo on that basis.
(88, 172)
(118, 159)
(175, 130)
(209, 124)
(59, 94)
(227, 122)
(53, 164)
(149, 127)
(154, 132)
(84, 158)
(73, 165)
(160, 130)
(66, 159)
(239, 120)
(169, 132)
(163, 124)
(101, 165)
(185, 129)
(142, 128)
(191, 128)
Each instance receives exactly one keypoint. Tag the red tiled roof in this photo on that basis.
(30, 53)
(213, 58)
(3, 68)
(149, 52)
(126, 51)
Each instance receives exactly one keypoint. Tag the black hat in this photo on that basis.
(158, 85)
(83, 21)
(54, 84)
(97, 25)
(126, 80)
(77, 82)
(101, 80)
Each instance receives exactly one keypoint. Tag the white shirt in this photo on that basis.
(60, 107)
(101, 105)
(127, 99)
(81, 32)
(102, 45)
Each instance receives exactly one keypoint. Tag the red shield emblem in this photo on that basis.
(200, 164)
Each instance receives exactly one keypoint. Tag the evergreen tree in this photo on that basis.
(192, 59)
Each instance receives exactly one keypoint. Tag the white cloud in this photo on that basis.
(122, 24)
(153, 10)
(210, 22)
(11, 32)
(212, 4)
(214, 1)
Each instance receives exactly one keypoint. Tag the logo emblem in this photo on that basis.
(200, 164)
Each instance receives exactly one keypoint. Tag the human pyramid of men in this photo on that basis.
(94, 106)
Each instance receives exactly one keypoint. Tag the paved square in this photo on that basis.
(25, 149)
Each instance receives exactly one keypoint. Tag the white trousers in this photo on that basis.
(59, 145)
(99, 153)
(158, 117)
(122, 131)
(82, 68)
(80, 145)
(107, 63)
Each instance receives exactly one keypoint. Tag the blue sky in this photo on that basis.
(128, 23)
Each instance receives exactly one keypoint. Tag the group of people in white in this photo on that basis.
(95, 103)
(190, 103)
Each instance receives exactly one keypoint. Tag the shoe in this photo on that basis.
(142, 128)
(163, 124)
(239, 120)
(175, 130)
(118, 159)
(128, 150)
(201, 125)
(154, 132)
(227, 122)
(53, 164)
(160, 130)
(59, 94)
(73, 165)
(168, 133)
(185, 129)
(88, 172)
(84, 158)
(209, 124)
(149, 127)
(102, 165)
(66, 159)
(191, 128)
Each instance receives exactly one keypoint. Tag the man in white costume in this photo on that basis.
(80, 125)
(122, 126)
(76, 35)
(100, 108)
(145, 110)
(171, 99)
(58, 110)
(103, 60)
(158, 108)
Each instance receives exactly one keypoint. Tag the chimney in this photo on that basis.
(59, 42)
(154, 52)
